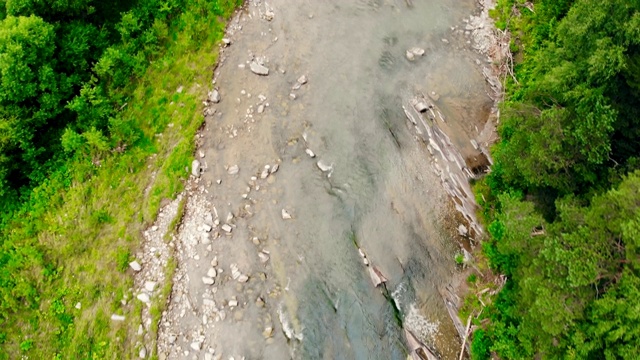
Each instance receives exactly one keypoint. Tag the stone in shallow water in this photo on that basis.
(259, 69)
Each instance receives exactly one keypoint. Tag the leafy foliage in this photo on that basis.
(565, 189)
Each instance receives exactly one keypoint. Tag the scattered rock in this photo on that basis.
(207, 280)
(214, 96)
(207, 227)
(212, 272)
(260, 302)
(462, 230)
(474, 143)
(302, 80)
(233, 303)
(196, 345)
(226, 41)
(376, 276)
(180, 88)
(421, 106)
(265, 172)
(323, 166)
(149, 285)
(135, 266)
(195, 168)
(260, 109)
(285, 215)
(227, 228)
(275, 168)
(292, 96)
(413, 52)
(78, 306)
(116, 317)
(310, 153)
(233, 169)
(263, 257)
(259, 69)
(143, 352)
(434, 96)
(144, 297)
(243, 278)
(268, 332)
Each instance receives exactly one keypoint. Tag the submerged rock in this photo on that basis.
(258, 69)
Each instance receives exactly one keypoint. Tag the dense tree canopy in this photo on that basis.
(565, 192)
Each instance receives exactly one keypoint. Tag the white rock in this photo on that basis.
(149, 285)
(226, 41)
(135, 266)
(144, 297)
(197, 345)
(116, 317)
(207, 280)
(212, 273)
(285, 215)
(229, 217)
(206, 227)
(302, 80)
(260, 109)
(180, 88)
(226, 227)
(292, 96)
(258, 69)
(78, 306)
(275, 168)
(323, 166)
(214, 261)
(462, 230)
(234, 169)
(208, 356)
(233, 303)
(263, 257)
(143, 352)
(310, 153)
(265, 173)
(243, 278)
(195, 168)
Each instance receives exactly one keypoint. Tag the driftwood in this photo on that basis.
(466, 334)
(417, 350)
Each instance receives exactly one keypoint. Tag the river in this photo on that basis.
(307, 293)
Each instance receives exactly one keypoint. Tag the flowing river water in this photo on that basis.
(298, 288)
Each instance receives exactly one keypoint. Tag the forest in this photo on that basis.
(85, 88)
(562, 202)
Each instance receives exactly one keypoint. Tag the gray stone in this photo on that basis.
(214, 96)
(135, 266)
(259, 69)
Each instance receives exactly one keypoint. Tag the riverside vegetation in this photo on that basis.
(562, 202)
(94, 133)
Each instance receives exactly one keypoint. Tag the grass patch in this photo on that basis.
(85, 222)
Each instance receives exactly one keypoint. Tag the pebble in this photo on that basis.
(212, 273)
(285, 215)
(234, 169)
(207, 280)
(310, 153)
(116, 317)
